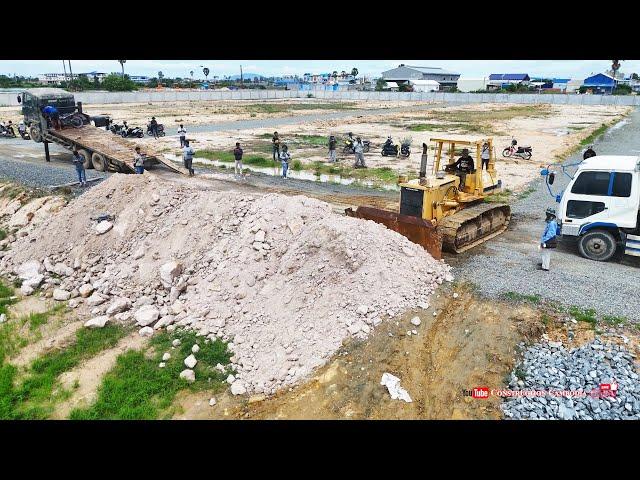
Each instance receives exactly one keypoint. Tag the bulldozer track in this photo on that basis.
(473, 226)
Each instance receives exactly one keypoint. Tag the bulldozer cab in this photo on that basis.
(448, 151)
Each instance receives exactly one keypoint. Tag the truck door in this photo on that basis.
(589, 201)
(624, 199)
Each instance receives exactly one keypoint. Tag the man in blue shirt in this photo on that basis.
(549, 240)
(51, 113)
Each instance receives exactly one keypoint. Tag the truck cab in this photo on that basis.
(601, 207)
(35, 99)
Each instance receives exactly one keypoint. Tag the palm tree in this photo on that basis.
(354, 72)
(122, 62)
(205, 70)
(191, 72)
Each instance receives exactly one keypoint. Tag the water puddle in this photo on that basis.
(618, 125)
(297, 174)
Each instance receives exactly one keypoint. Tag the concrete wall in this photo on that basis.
(9, 99)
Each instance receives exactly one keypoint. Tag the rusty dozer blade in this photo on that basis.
(415, 229)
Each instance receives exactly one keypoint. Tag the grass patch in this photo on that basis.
(224, 156)
(34, 398)
(613, 320)
(137, 388)
(288, 107)
(443, 127)
(526, 193)
(598, 132)
(315, 140)
(519, 297)
(499, 197)
(587, 315)
(3, 234)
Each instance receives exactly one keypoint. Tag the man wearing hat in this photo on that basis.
(549, 240)
(463, 166)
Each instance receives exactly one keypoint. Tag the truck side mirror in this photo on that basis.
(19, 99)
(552, 178)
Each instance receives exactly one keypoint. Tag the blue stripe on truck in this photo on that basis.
(589, 226)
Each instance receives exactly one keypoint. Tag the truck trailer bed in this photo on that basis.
(117, 149)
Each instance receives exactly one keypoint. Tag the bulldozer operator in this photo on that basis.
(462, 167)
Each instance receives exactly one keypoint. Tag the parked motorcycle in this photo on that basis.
(390, 149)
(115, 128)
(161, 132)
(74, 119)
(514, 150)
(132, 132)
(348, 146)
(22, 130)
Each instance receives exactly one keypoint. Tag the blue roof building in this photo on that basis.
(508, 78)
(600, 83)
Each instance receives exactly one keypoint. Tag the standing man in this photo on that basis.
(332, 148)
(154, 127)
(187, 156)
(284, 159)
(183, 135)
(138, 161)
(549, 239)
(78, 162)
(485, 156)
(358, 149)
(237, 153)
(275, 140)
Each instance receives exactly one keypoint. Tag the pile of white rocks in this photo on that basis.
(282, 279)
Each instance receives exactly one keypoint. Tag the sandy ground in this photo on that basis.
(552, 133)
(198, 112)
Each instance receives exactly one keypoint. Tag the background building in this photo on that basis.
(405, 73)
(501, 80)
(600, 83)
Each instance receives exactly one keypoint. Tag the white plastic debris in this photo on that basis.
(395, 390)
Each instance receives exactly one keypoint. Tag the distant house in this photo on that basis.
(139, 78)
(472, 84)
(561, 84)
(500, 80)
(424, 85)
(392, 86)
(406, 73)
(601, 83)
(574, 85)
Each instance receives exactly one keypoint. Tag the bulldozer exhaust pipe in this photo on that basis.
(423, 162)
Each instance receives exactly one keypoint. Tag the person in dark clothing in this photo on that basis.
(588, 153)
(332, 148)
(237, 154)
(78, 162)
(463, 166)
(276, 146)
(53, 116)
(154, 127)
(485, 156)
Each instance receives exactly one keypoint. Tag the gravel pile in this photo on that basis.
(283, 279)
(551, 368)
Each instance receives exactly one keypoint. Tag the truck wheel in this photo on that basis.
(598, 245)
(99, 162)
(35, 134)
(87, 158)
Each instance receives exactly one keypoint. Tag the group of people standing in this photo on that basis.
(282, 152)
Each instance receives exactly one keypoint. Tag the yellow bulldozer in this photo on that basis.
(446, 209)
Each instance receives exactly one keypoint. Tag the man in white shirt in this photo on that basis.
(183, 135)
(187, 156)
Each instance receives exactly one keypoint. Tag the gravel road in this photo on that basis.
(23, 161)
(509, 261)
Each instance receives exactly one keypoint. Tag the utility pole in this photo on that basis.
(241, 80)
(70, 71)
(65, 73)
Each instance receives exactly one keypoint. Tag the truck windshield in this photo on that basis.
(602, 183)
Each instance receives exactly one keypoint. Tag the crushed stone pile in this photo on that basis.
(283, 279)
(550, 367)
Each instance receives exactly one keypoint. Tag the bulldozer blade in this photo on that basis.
(415, 229)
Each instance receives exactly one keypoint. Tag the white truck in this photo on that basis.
(601, 207)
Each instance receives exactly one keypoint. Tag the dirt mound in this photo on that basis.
(283, 278)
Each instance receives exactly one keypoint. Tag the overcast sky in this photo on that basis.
(181, 68)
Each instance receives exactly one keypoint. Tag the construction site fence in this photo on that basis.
(10, 99)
